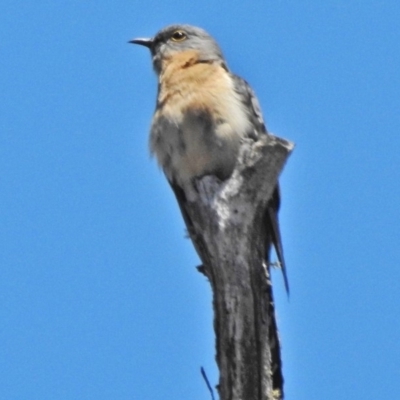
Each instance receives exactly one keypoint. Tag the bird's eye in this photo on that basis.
(178, 36)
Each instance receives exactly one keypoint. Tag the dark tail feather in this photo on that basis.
(277, 242)
(274, 232)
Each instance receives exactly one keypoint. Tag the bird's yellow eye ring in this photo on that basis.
(178, 36)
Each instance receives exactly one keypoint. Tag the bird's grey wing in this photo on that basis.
(249, 99)
(252, 105)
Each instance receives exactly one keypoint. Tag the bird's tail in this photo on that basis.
(274, 233)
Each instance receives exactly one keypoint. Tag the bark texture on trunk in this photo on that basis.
(227, 229)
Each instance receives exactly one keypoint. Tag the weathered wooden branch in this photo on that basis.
(230, 238)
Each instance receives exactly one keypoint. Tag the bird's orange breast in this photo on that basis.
(202, 115)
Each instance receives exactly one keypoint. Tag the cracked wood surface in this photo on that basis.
(225, 223)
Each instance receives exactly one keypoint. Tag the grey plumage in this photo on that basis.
(197, 126)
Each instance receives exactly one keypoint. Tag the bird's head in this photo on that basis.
(175, 39)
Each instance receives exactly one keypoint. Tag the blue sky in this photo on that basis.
(99, 295)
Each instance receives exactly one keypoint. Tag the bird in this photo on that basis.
(203, 111)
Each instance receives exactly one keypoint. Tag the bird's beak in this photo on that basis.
(142, 41)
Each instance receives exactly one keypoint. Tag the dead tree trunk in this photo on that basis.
(230, 238)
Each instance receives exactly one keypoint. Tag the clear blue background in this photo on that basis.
(99, 295)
